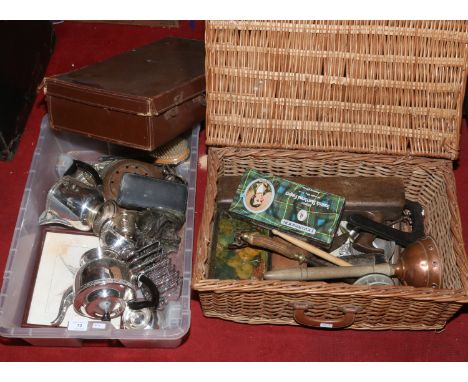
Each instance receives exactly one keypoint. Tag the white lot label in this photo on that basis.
(79, 326)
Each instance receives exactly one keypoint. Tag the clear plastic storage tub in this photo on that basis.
(24, 252)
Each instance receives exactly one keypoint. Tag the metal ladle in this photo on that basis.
(419, 265)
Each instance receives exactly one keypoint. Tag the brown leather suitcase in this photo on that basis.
(142, 98)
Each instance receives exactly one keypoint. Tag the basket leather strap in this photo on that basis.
(346, 320)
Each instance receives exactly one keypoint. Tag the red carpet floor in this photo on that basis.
(79, 44)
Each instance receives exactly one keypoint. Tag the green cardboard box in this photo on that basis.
(288, 206)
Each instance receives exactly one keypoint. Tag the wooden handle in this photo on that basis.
(312, 249)
(328, 273)
(283, 247)
(275, 245)
(343, 322)
(363, 242)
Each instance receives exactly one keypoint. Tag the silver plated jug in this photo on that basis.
(71, 203)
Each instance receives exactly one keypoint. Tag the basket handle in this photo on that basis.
(346, 320)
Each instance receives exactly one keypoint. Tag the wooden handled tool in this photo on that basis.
(419, 265)
(282, 247)
(312, 249)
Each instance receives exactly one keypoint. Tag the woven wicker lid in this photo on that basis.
(388, 87)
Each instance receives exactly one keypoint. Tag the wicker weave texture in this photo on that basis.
(391, 87)
(377, 314)
(430, 182)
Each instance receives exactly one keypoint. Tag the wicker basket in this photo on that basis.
(355, 87)
(392, 87)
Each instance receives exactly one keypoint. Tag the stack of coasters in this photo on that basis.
(288, 206)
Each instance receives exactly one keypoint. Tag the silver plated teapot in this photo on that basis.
(105, 287)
